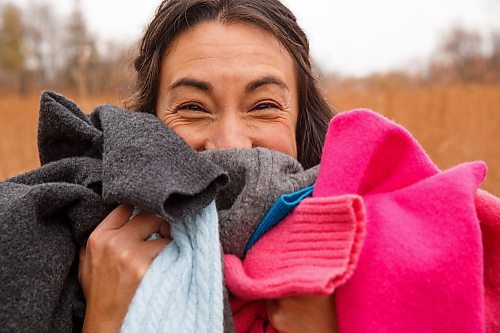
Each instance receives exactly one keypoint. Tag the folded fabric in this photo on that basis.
(143, 162)
(281, 208)
(182, 289)
(312, 251)
(89, 165)
(488, 212)
(420, 267)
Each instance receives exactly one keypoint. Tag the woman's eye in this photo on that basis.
(266, 106)
(192, 107)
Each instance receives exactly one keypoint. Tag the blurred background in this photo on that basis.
(432, 67)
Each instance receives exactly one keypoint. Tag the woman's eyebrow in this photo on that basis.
(251, 86)
(188, 82)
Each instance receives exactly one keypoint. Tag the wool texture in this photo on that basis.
(257, 178)
(420, 268)
(174, 180)
(281, 208)
(314, 250)
(182, 289)
(89, 165)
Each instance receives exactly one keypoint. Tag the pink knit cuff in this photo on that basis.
(312, 251)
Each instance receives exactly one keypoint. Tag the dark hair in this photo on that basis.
(174, 16)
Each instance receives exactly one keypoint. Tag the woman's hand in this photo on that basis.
(113, 263)
(303, 314)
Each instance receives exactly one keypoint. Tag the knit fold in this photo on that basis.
(311, 251)
(137, 152)
(171, 190)
(281, 208)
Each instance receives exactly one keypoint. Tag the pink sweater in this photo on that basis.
(421, 265)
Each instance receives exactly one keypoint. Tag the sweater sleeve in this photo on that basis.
(312, 251)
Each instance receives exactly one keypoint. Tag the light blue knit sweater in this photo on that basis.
(182, 289)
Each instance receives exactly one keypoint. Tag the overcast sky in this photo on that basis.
(350, 36)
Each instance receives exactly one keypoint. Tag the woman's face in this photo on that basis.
(229, 86)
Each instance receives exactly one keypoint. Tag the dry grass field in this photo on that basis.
(453, 124)
(18, 130)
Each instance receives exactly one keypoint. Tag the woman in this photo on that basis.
(221, 74)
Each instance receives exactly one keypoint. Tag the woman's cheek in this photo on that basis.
(191, 133)
(277, 136)
(201, 134)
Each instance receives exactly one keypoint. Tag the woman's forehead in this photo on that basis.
(226, 36)
(232, 51)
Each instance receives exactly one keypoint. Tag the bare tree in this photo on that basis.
(43, 42)
(12, 55)
(113, 72)
(463, 52)
(40, 49)
(79, 52)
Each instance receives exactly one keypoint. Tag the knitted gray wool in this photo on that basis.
(257, 178)
(144, 162)
(89, 165)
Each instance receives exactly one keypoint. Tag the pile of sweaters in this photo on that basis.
(404, 246)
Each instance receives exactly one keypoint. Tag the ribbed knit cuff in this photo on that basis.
(312, 251)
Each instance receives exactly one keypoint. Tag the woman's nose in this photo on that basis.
(229, 133)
